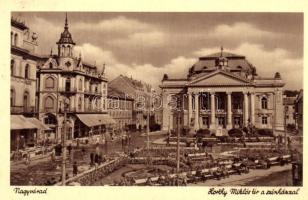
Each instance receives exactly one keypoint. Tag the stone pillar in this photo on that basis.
(189, 108)
(252, 102)
(245, 109)
(196, 125)
(213, 125)
(229, 120)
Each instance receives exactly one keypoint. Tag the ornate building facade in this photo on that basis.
(140, 92)
(120, 108)
(67, 83)
(222, 91)
(25, 128)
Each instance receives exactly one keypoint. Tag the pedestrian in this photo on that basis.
(28, 158)
(168, 140)
(75, 168)
(129, 139)
(83, 151)
(122, 142)
(92, 159)
(78, 143)
(69, 148)
(52, 155)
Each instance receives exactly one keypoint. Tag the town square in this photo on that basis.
(156, 99)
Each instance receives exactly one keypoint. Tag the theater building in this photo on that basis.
(223, 91)
(67, 84)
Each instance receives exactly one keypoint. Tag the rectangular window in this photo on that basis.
(264, 120)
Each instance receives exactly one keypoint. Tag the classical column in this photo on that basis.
(252, 102)
(229, 124)
(189, 108)
(213, 125)
(196, 125)
(245, 109)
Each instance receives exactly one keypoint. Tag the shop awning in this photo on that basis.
(91, 120)
(38, 123)
(19, 122)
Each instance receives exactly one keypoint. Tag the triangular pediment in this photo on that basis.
(50, 63)
(219, 78)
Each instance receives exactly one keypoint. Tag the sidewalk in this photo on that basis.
(155, 133)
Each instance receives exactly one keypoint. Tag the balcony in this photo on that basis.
(205, 111)
(92, 110)
(237, 111)
(221, 111)
(89, 92)
(22, 109)
(68, 90)
(264, 111)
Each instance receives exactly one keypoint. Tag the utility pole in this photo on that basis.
(64, 146)
(178, 144)
(285, 128)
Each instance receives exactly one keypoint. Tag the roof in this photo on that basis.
(223, 54)
(114, 93)
(38, 123)
(91, 120)
(18, 24)
(234, 63)
(19, 122)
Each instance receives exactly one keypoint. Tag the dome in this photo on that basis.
(209, 63)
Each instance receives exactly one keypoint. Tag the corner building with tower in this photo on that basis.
(223, 91)
(68, 84)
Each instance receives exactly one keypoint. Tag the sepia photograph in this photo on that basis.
(156, 98)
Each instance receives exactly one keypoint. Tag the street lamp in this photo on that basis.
(285, 127)
(65, 107)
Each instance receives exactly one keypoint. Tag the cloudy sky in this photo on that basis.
(147, 45)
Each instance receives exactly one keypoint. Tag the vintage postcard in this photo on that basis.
(205, 101)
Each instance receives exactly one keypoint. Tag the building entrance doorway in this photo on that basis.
(237, 122)
(205, 122)
(221, 122)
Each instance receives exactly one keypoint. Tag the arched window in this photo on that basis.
(26, 101)
(264, 103)
(12, 38)
(49, 83)
(50, 119)
(15, 39)
(12, 67)
(50, 65)
(27, 71)
(62, 50)
(80, 84)
(49, 104)
(79, 103)
(68, 84)
(12, 97)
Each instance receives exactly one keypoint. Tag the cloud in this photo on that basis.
(240, 31)
(266, 61)
(141, 40)
(50, 32)
(145, 72)
(91, 53)
(120, 24)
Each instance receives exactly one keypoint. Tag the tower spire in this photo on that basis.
(221, 50)
(66, 24)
